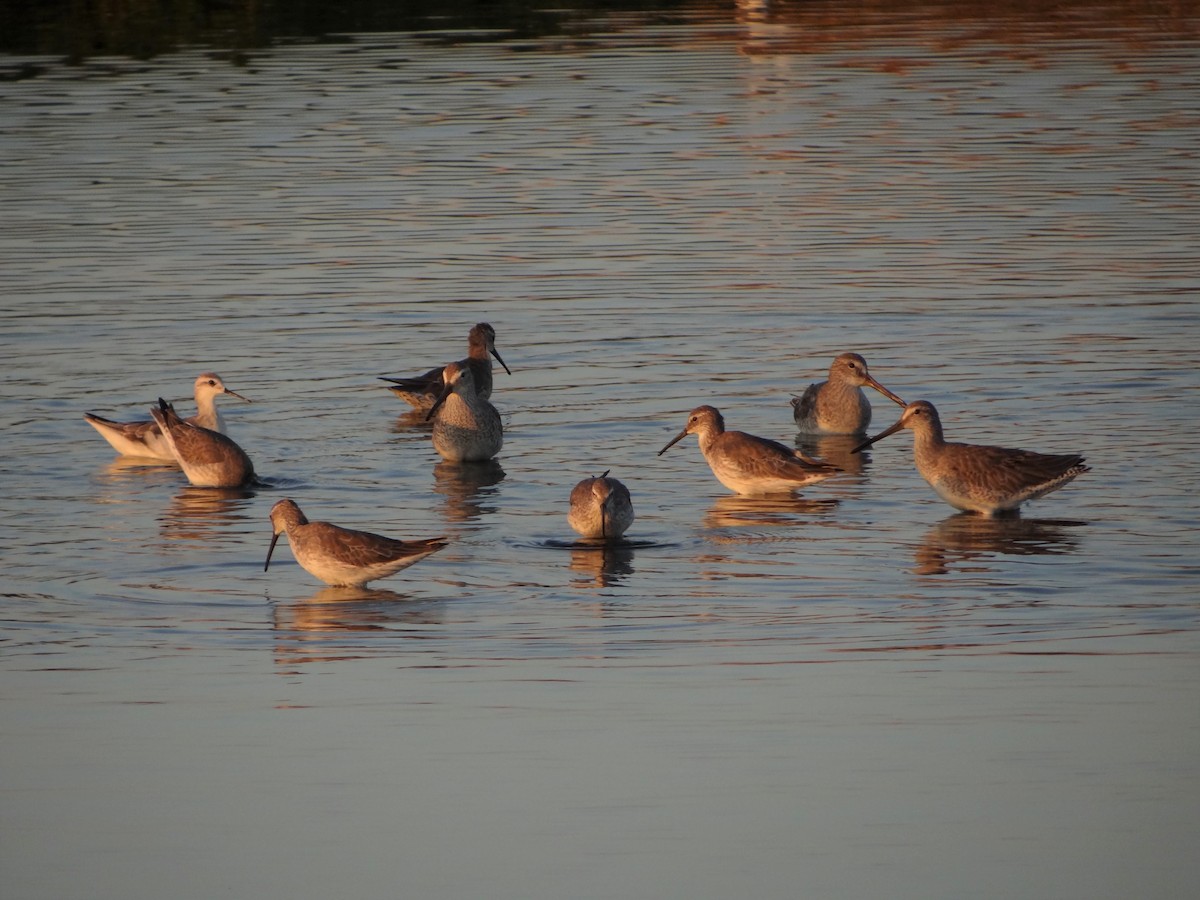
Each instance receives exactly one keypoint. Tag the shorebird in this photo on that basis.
(422, 391)
(747, 464)
(340, 556)
(839, 406)
(977, 477)
(208, 458)
(466, 428)
(146, 439)
(600, 508)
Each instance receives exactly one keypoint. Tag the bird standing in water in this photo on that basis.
(745, 463)
(342, 556)
(979, 477)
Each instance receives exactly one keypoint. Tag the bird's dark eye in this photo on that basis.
(211, 383)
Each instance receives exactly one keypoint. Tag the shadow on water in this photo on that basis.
(967, 540)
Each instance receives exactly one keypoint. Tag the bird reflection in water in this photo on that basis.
(966, 541)
(601, 563)
(737, 510)
(834, 448)
(205, 514)
(121, 468)
(323, 627)
(465, 487)
(412, 419)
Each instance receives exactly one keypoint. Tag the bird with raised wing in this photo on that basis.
(145, 438)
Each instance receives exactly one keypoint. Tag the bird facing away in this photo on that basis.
(208, 458)
(340, 556)
(747, 464)
(839, 406)
(145, 439)
(466, 428)
(422, 391)
(600, 508)
(978, 477)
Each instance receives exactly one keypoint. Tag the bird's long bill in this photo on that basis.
(501, 361)
(239, 396)
(447, 389)
(879, 437)
(879, 387)
(675, 440)
(271, 549)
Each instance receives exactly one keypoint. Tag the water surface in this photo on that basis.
(858, 692)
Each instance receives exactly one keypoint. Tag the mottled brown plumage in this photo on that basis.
(208, 458)
(343, 556)
(979, 477)
(601, 508)
(745, 463)
(839, 406)
(145, 439)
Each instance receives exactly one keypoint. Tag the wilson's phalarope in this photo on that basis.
(341, 556)
(747, 464)
(466, 428)
(208, 458)
(600, 508)
(977, 477)
(146, 439)
(422, 391)
(839, 406)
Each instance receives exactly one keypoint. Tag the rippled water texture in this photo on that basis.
(854, 693)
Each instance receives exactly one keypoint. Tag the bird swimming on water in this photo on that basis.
(979, 477)
(208, 458)
(601, 508)
(145, 438)
(839, 406)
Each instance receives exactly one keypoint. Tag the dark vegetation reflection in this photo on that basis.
(77, 30)
(142, 29)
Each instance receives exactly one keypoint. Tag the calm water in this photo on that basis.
(857, 693)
